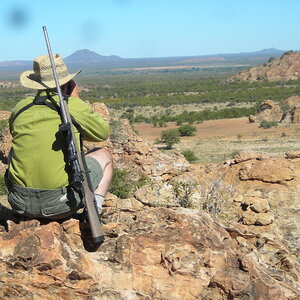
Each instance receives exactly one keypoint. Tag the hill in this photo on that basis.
(90, 60)
(86, 57)
(284, 68)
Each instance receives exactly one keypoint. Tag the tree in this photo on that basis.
(186, 130)
(170, 137)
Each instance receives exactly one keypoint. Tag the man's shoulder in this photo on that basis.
(22, 104)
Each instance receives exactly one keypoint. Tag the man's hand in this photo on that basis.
(74, 92)
(70, 88)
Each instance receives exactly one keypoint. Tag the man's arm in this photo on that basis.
(94, 127)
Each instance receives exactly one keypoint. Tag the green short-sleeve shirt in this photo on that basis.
(37, 159)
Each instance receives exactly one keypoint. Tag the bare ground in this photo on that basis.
(218, 140)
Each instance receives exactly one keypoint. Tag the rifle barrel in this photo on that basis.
(60, 96)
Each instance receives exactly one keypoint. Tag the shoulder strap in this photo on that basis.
(42, 100)
(38, 100)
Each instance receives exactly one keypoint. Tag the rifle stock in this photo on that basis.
(81, 178)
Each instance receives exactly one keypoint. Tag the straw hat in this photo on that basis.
(42, 78)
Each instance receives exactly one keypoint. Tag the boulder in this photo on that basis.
(293, 101)
(257, 204)
(295, 114)
(261, 219)
(268, 110)
(274, 170)
(246, 155)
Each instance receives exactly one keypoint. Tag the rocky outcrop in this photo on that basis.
(268, 110)
(292, 106)
(285, 68)
(267, 194)
(287, 112)
(148, 253)
(132, 151)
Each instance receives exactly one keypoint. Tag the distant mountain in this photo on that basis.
(264, 52)
(269, 51)
(87, 56)
(15, 63)
(90, 60)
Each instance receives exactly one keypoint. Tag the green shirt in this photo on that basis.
(37, 159)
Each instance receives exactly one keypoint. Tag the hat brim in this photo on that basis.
(29, 80)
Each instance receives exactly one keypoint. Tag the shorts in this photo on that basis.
(51, 204)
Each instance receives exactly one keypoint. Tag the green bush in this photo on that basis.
(125, 181)
(268, 124)
(122, 183)
(187, 130)
(170, 137)
(3, 189)
(189, 156)
(3, 125)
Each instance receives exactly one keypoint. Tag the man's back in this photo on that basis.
(38, 160)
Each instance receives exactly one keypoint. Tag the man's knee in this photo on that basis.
(103, 156)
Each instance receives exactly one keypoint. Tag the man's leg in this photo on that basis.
(105, 159)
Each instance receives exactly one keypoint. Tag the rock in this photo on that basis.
(114, 202)
(274, 170)
(252, 218)
(291, 154)
(291, 102)
(148, 253)
(246, 155)
(288, 112)
(295, 114)
(257, 204)
(239, 199)
(133, 152)
(156, 195)
(5, 144)
(4, 115)
(268, 110)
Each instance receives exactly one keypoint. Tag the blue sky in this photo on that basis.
(147, 28)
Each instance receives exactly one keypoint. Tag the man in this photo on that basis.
(38, 177)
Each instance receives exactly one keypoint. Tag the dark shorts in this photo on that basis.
(51, 204)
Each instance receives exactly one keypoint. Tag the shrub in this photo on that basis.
(182, 192)
(3, 125)
(214, 193)
(189, 156)
(170, 137)
(3, 189)
(187, 130)
(268, 124)
(162, 123)
(142, 180)
(122, 183)
(125, 181)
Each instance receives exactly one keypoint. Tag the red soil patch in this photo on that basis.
(224, 127)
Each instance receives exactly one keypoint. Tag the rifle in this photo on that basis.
(80, 175)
